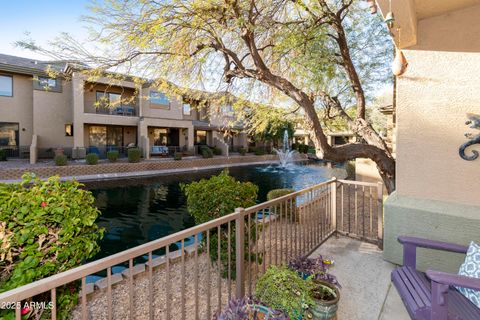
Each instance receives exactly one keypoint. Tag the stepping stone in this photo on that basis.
(145, 257)
(175, 255)
(103, 283)
(190, 250)
(156, 262)
(138, 268)
(89, 288)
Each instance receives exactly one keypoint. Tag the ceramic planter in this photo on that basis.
(325, 310)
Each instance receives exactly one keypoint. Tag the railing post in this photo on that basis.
(380, 214)
(240, 252)
(333, 204)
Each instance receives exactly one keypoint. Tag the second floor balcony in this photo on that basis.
(127, 110)
(110, 100)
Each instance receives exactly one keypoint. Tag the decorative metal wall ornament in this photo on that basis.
(390, 20)
(474, 120)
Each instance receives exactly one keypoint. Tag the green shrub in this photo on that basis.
(217, 151)
(112, 155)
(134, 155)
(260, 151)
(212, 198)
(91, 158)
(3, 155)
(282, 289)
(47, 227)
(277, 193)
(206, 152)
(177, 156)
(60, 160)
(242, 151)
(217, 197)
(284, 211)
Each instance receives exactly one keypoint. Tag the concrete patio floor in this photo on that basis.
(367, 292)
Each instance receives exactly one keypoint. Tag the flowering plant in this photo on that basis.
(315, 268)
(249, 308)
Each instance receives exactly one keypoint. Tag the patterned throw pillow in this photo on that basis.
(471, 268)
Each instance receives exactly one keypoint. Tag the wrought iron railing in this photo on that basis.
(193, 273)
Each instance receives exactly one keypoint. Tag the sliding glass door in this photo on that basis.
(9, 134)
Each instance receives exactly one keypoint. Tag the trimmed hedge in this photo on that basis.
(3, 155)
(242, 151)
(134, 155)
(259, 151)
(177, 156)
(206, 152)
(280, 209)
(277, 193)
(112, 155)
(91, 158)
(60, 160)
(217, 151)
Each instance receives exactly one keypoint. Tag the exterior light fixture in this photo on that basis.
(390, 19)
(373, 6)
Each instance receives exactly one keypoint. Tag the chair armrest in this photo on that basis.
(433, 244)
(453, 279)
(441, 282)
(410, 245)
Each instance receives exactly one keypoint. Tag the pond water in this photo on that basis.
(135, 211)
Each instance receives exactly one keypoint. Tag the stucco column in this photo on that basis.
(243, 139)
(143, 140)
(78, 111)
(190, 138)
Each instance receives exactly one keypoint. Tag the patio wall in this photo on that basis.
(122, 167)
(437, 191)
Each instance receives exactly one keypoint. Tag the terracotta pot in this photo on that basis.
(400, 64)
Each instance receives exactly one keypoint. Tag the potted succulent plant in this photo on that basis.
(323, 286)
(249, 309)
(282, 289)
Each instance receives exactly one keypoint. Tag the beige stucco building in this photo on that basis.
(437, 192)
(39, 114)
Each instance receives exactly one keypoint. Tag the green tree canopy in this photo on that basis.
(320, 54)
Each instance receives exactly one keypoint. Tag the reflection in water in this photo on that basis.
(135, 211)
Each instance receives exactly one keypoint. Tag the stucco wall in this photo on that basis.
(19, 107)
(441, 85)
(173, 111)
(431, 219)
(51, 111)
(437, 195)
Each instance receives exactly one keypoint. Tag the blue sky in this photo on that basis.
(44, 19)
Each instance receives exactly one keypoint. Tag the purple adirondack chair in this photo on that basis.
(430, 295)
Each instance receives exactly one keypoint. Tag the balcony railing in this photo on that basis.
(117, 111)
(194, 272)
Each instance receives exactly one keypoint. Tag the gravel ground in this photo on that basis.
(97, 303)
(275, 240)
(278, 241)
